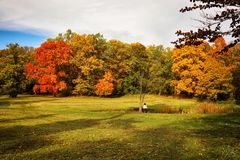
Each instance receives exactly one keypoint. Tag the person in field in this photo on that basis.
(145, 108)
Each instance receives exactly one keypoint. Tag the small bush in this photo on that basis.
(202, 108)
(207, 107)
(168, 110)
(163, 109)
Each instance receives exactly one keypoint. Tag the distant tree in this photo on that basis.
(117, 60)
(12, 69)
(200, 72)
(188, 66)
(217, 72)
(215, 81)
(70, 69)
(66, 37)
(28, 51)
(137, 78)
(87, 50)
(160, 70)
(236, 72)
(225, 12)
(49, 59)
(105, 86)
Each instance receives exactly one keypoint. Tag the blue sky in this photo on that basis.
(30, 22)
(22, 38)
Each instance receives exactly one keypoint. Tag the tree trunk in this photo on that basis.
(141, 100)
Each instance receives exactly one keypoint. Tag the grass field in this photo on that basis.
(41, 127)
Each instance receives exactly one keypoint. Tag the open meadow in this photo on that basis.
(44, 127)
(120, 80)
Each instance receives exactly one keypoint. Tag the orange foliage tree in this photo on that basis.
(216, 82)
(202, 71)
(49, 59)
(105, 85)
(236, 72)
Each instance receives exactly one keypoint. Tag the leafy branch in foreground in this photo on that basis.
(228, 14)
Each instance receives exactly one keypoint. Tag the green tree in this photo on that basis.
(117, 60)
(12, 69)
(66, 37)
(160, 71)
(137, 79)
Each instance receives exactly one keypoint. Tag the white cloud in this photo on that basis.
(146, 21)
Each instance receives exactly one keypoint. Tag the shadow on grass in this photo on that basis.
(221, 141)
(24, 138)
(158, 143)
(24, 144)
(17, 132)
(6, 102)
(161, 144)
(27, 118)
(221, 126)
(202, 138)
(122, 123)
(219, 133)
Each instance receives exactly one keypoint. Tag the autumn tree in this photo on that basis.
(117, 60)
(236, 72)
(88, 50)
(201, 73)
(215, 81)
(225, 13)
(218, 70)
(188, 66)
(105, 86)
(49, 59)
(70, 69)
(232, 59)
(12, 69)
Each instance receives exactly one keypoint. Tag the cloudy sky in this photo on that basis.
(29, 22)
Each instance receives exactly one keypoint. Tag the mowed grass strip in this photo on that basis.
(44, 127)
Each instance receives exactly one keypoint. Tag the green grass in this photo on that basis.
(42, 127)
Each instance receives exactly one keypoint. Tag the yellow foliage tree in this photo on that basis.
(215, 81)
(236, 73)
(202, 71)
(188, 65)
(88, 50)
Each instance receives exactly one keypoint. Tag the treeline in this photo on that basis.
(88, 64)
